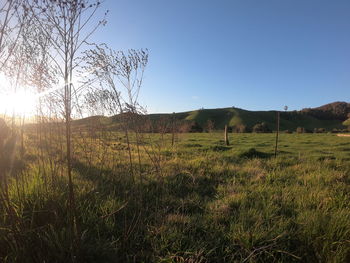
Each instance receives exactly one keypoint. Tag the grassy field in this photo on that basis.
(196, 201)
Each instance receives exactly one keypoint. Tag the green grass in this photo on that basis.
(198, 201)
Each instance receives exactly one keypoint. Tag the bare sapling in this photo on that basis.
(120, 76)
(12, 16)
(69, 22)
(11, 24)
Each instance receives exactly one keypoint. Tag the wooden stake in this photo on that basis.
(277, 132)
(173, 130)
(226, 137)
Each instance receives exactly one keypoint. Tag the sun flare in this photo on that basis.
(19, 103)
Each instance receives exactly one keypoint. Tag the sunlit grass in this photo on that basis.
(204, 203)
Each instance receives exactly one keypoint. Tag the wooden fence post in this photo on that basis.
(226, 136)
(277, 132)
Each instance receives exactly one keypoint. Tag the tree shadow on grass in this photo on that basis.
(147, 204)
(176, 186)
(119, 230)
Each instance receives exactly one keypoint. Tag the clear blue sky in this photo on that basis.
(251, 54)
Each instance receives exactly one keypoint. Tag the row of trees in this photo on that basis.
(169, 123)
(264, 128)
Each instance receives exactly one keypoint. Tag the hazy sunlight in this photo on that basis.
(22, 102)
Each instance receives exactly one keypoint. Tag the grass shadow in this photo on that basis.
(253, 153)
(220, 148)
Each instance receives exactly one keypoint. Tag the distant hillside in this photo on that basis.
(235, 116)
(329, 116)
(336, 110)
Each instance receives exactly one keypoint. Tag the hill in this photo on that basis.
(329, 116)
(337, 110)
(290, 120)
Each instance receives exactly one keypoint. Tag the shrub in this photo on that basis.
(336, 130)
(319, 130)
(261, 128)
(300, 130)
(195, 127)
(240, 128)
(210, 125)
(347, 122)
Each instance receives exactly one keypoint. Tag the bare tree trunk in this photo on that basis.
(226, 136)
(277, 132)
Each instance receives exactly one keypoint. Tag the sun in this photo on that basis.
(20, 102)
